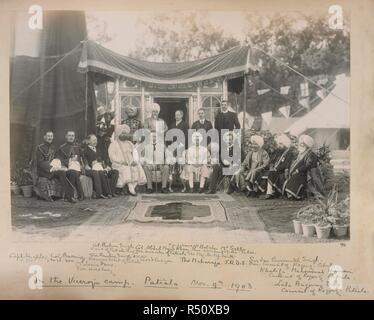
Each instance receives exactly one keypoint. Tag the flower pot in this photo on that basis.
(15, 189)
(297, 226)
(27, 191)
(340, 230)
(323, 232)
(308, 229)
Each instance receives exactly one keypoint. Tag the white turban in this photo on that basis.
(284, 139)
(307, 140)
(123, 128)
(155, 107)
(258, 140)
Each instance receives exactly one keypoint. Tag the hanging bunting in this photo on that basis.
(304, 88)
(321, 93)
(285, 110)
(304, 102)
(284, 90)
(267, 116)
(260, 92)
(322, 81)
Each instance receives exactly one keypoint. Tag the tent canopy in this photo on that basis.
(230, 63)
(331, 113)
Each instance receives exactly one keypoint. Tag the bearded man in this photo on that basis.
(283, 157)
(295, 186)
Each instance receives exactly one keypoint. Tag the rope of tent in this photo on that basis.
(288, 98)
(284, 96)
(300, 74)
(46, 72)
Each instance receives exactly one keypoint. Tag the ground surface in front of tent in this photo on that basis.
(176, 217)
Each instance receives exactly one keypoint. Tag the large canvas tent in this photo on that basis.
(185, 86)
(46, 91)
(329, 122)
(229, 64)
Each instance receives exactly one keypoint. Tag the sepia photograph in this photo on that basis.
(229, 126)
(186, 151)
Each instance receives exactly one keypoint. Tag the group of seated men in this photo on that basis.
(128, 155)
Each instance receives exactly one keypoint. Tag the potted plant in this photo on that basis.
(14, 188)
(323, 227)
(26, 183)
(16, 178)
(297, 226)
(340, 219)
(306, 217)
(301, 217)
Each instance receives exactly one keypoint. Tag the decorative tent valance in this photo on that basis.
(231, 63)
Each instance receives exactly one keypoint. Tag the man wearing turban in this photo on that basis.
(253, 166)
(154, 123)
(281, 161)
(125, 159)
(297, 174)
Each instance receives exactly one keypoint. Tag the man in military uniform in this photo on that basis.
(131, 120)
(104, 129)
(49, 166)
(70, 155)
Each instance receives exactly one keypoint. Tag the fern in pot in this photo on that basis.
(323, 225)
(26, 183)
(307, 218)
(340, 218)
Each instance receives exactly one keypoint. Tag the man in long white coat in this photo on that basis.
(125, 159)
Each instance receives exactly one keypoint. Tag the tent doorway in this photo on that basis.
(168, 106)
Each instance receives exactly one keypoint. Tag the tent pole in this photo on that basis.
(117, 103)
(142, 116)
(86, 109)
(245, 101)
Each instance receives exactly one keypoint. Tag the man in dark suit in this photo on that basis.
(226, 119)
(180, 124)
(202, 123)
(70, 155)
(46, 154)
(228, 143)
(104, 179)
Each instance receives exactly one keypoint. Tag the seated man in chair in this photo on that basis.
(49, 166)
(229, 143)
(254, 164)
(296, 184)
(70, 155)
(196, 163)
(283, 157)
(125, 159)
(104, 178)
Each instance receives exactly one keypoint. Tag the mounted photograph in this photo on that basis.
(208, 126)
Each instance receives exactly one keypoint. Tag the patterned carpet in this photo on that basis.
(246, 220)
